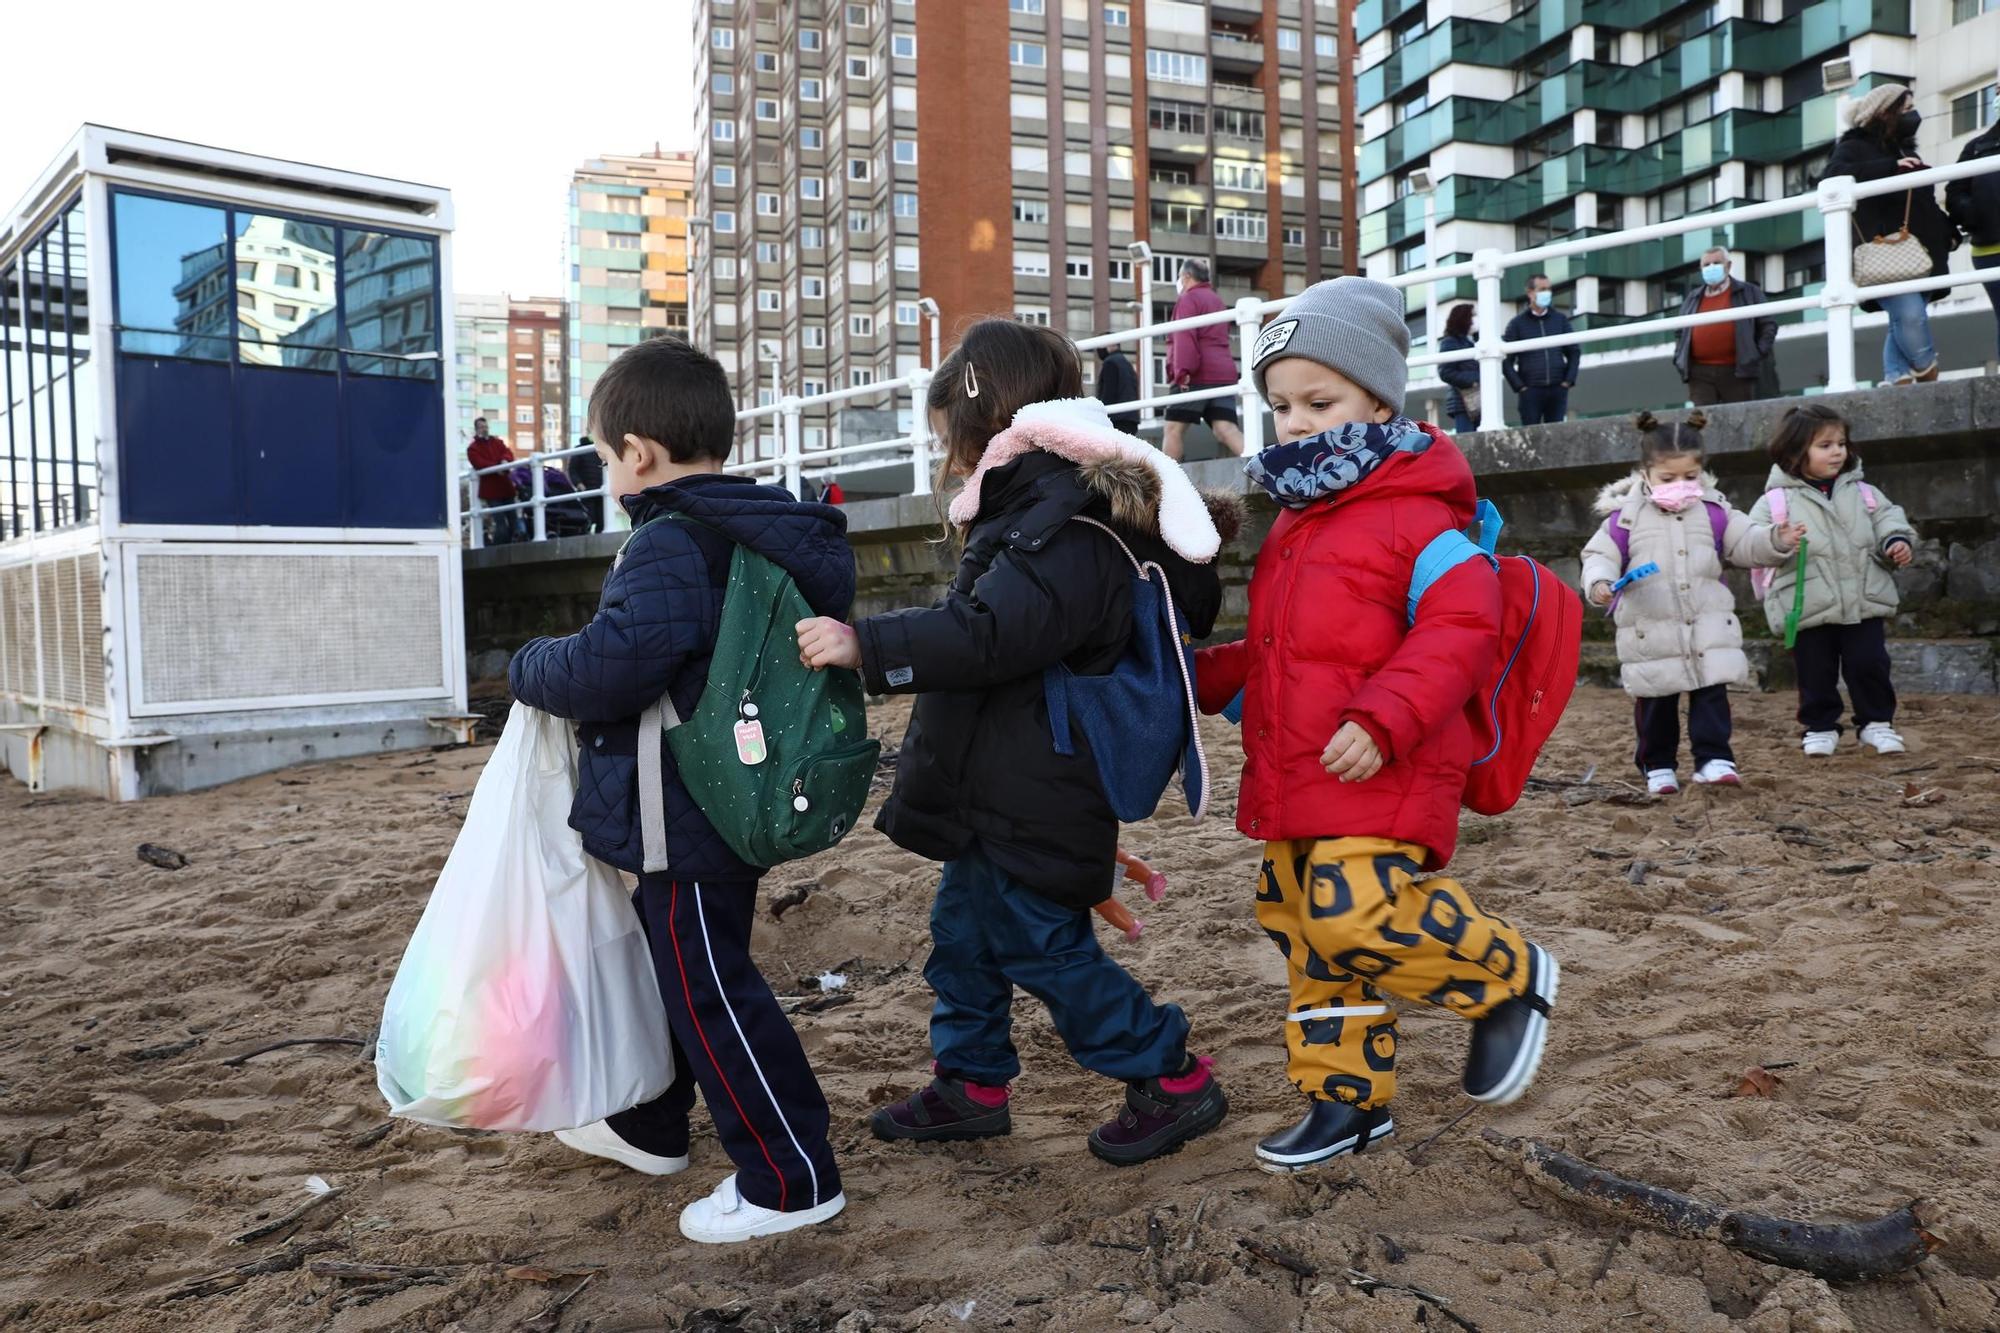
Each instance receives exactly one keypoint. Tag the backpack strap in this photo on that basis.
(1621, 537)
(1058, 698)
(1780, 509)
(1869, 497)
(1445, 552)
(654, 724)
(1718, 522)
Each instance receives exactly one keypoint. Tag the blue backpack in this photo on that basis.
(1140, 717)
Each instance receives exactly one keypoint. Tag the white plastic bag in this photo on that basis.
(526, 999)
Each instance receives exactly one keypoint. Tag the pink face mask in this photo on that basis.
(1677, 495)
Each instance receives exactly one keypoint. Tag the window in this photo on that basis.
(1025, 6)
(858, 168)
(860, 222)
(1295, 238)
(622, 240)
(858, 16)
(1177, 117)
(1180, 217)
(722, 85)
(723, 131)
(812, 289)
(1974, 111)
(811, 90)
(1681, 200)
(1037, 315)
(767, 252)
(767, 205)
(1176, 67)
(903, 46)
(815, 435)
(1077, 268)
(1805, 266)
(812, 187)
(767, 108)
(767, 62)
(1288, 39)
(906, 152)
(725, 221)
(1117, 16)
(857, 67)
(1031, 263)
(906, 205)
(287, 275)
(1235, 224)
(811, 138)
(1239, 123)
(489, 363)
(1675, 116)
(1414, 105)
(810, 39)
(906, 258)
(245, 300)
(1118, 270)
(284, 311)
(1234, 175)
(1035, 212)
(722, 39)
(861, 326)
(858, 379)
(1031, 55)
(725, 177)
(1411, 257)
(767, 301)
(814, 335)
(1324, 45)
(1964, 11)
(907, 313)
(1802, 175)
(1677, 31)
(725, 267)
(812, 238)
(525, 416)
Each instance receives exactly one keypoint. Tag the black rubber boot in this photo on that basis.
(1507, 1043)
(1329, 1130)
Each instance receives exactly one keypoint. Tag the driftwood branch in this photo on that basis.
(276, 1225)
(1837, 1252)
(228, 1279)
(236, 1061)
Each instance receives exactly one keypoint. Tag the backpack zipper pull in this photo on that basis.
(744, 708)
(799, 801)
(1534, 703)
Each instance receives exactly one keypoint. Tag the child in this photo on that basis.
(1677, 628)
(664, 423)
(1026, 835)
(1854, 537)
(1355, 735)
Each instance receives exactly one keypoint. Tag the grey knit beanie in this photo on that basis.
(1349, 324)
(1872, 105)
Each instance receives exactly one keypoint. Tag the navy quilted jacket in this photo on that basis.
(654, 630)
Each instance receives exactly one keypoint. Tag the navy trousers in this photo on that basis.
(991, 933)
(1543, 404)
(733, 1042)
(1659, 724)
(1857, 654)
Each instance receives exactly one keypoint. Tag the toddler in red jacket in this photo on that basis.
(1356, 739)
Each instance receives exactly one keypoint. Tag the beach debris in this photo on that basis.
(229, 1279)
(1757, 1081)
(831, 981)
(539, 1273)
(792, 897)
(166, 858)
(962, 1310)
(317, 1185)
(291, 1219)
(1916, 795)
(1294, 1264)
(167, 1051)
(1836, 1251)
(1368, 1284)
(235, 1061)
(1849, 868)
(374, 1281)
(1417, 1152)
(550, 1318)
(1635, 874)
(818, 1003)
(368, 1138)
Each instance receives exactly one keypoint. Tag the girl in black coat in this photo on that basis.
(1883, 143)
(1026, 835)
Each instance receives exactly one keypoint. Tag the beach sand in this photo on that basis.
(1814, 919)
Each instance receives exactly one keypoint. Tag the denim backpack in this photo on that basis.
(1140, 717)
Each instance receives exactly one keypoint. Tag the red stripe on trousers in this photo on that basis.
(673, 915)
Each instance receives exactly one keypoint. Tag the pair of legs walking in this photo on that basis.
(1659, 725)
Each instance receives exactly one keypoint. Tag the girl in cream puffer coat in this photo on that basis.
(1677, 627)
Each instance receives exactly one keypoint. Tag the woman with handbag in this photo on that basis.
(1898, 237)
(1461, 377)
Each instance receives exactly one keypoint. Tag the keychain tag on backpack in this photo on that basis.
(750, 748)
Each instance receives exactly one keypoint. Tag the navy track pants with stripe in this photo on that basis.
(733, 1042)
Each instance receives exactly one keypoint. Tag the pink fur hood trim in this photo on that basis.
(1080, 430)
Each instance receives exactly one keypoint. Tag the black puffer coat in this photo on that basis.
(1974, 203)
(1033, 588)
(1868, 157)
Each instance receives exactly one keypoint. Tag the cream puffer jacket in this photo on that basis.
(1677, 629)
(1848, 577)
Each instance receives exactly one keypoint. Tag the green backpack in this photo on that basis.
(776, 755)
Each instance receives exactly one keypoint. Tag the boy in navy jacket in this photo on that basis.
(664, 422)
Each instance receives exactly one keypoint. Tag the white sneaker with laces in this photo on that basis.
(600, 1140)
(1821, 744)
(1717, 773)
(1663, 782)
(1883, 737)
(725, 1217)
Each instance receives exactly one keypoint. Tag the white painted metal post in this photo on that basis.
(1249, 403)
(609, 502)
(1430, 261)
(477, 537)
(790, 413)
(920, 433)
(538, 488)
(1837, 296)
(1146, 414)
(1486, 272)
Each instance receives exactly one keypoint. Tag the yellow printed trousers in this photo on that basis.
(1356, 928)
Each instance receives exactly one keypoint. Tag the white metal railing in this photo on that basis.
(1834, 199)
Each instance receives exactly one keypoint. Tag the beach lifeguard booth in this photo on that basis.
(227, 518)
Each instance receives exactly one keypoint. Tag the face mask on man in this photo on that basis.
(1543, 299)
(1906, 124)
(1713, 274)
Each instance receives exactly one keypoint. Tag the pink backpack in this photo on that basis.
(1760, 579)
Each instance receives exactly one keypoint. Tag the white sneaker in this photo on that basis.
(1820, 744)
(600, 1140)
(724, 1217)
(1717, 773)
(1663, 782)
(1883, 737)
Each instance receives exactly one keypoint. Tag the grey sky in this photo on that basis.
(417, 90)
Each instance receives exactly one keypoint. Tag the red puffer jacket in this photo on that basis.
(1330, 642)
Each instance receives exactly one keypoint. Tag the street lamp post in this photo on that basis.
(1142, 257)
(936, 317)
(1421, 183)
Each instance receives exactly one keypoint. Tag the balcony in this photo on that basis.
(1371, 16)
(1234, 51)
(1455, 119)
(1457, 40)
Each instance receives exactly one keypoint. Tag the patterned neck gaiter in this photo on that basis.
(1303, 471)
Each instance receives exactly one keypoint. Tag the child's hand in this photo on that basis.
(1352, 755)
(1788, 537)
(825, 642)
(1600, 592)
(1900, 554)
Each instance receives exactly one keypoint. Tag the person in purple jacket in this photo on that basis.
(1200, 359)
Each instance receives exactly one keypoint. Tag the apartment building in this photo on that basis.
(480, 349)
(511, 369)
(856, 161)
(628, 263)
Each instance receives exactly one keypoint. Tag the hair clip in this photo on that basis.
(971, 380)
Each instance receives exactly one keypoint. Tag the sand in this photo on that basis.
(1813, 919)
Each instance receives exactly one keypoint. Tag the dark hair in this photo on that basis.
(1534, 278)
(1660, 440)
(1793, 437)
(1458, 324)
(665, 391)
(998, 368)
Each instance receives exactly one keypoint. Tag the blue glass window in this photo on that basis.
(389, 285)
(173, 278)
(285, 292)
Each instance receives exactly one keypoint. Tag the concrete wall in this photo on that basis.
(1933, 448)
